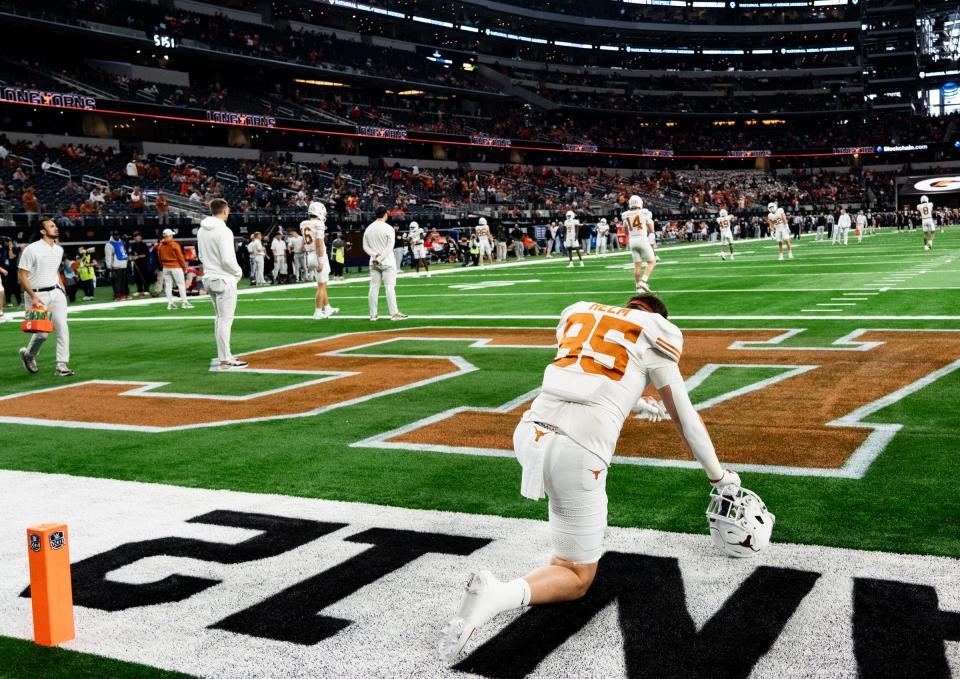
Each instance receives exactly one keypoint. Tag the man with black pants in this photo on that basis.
(140, 256)
(38, 273)
(117, 260)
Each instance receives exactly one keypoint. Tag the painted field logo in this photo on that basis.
(34, 541)
(810, 418)
(56, 539)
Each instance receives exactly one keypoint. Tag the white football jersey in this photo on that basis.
(416, 235)
(637, 222)
(725, 222)
(777, 218)
(925, 210)
(318, 228)
(571, 225)
(603, 229)
(483, 232)
(600, 371)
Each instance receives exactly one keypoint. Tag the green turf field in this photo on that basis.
(904, 502)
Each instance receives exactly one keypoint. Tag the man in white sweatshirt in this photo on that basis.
(221, 273)
(843, 227)
(378, 240)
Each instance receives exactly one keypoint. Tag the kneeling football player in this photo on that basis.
(565, 442)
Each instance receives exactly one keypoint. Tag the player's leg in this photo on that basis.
(390, 285)
(373, 295)
(57, 304)
(575, 483)
(569, 255)
(168, 286)
(787, 236)
(182, 287)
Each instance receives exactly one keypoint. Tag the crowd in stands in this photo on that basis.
(82, 181)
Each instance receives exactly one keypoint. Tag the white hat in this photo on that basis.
(167, 232)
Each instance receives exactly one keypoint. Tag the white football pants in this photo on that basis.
(388, 276)
(171, 277)
(56, 302)
(225, 306)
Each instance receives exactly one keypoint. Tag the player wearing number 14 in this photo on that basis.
(606, 358)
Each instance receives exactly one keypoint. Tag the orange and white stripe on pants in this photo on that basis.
(51, 591)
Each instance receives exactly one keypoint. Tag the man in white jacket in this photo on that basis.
(378, 241)
(843, 227)
(221, 273)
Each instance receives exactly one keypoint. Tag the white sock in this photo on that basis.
(519, 593)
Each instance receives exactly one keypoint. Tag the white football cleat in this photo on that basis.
(482, 600)
(570, 265)
(581, 263)
(399, 316)
(232, 364)
(330, 310)
(319, 314)
(171, 306)
(790, 255)
(643, 287)
(723, 257)
(781, 258)
(186, 305)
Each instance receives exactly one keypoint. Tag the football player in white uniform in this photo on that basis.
(925, 208)
(606, 358)
(415, 236)
(780, 228)
(639, 222)
(316, 227)
(603, 237)
(571, 242)
(485, 241)
(843, 227)
(725, 222)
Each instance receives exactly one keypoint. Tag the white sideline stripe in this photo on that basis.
(836, 303)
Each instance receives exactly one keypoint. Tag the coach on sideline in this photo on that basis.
(378, 241)
(221, 273)
(39, 279)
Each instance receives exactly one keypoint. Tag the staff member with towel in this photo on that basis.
(40, 281)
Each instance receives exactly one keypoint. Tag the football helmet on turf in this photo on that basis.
(739, 522)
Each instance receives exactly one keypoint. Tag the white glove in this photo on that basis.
(650, 409)
(729, 483)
